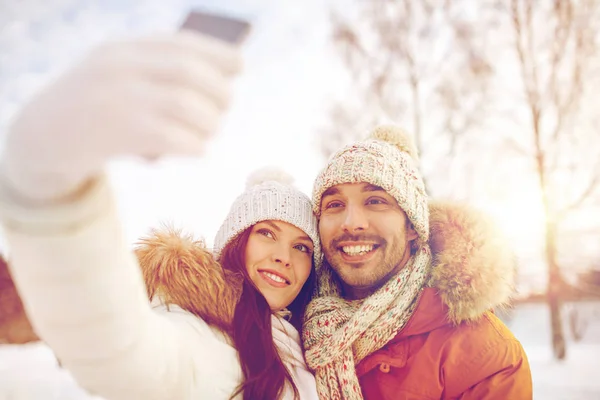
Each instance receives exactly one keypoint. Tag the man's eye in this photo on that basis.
(376, 201)
(333, 204)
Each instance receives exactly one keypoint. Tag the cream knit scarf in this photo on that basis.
(339, 333)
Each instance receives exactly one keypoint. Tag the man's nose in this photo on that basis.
(355, 219)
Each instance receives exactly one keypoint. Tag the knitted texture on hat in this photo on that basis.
(388, 159)
(269, 195)
(338, 333)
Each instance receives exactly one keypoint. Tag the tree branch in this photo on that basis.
(586, 193)
(563, 14)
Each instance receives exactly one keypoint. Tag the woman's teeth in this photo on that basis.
(357, 250)
(276, 278)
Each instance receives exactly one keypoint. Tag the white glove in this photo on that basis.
(148, 97)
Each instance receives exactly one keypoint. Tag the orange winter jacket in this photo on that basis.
(432, 358)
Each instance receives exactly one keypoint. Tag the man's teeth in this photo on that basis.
(276, 278)
(357, 250)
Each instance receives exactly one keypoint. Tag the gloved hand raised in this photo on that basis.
(149, 97)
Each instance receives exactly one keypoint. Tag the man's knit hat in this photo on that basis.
(269, 195)
(387, 158)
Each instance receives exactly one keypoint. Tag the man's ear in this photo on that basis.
(411, 233)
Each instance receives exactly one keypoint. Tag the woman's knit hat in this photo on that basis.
(269, 195)
(387, 158)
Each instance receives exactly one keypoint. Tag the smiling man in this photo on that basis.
(374, 241)
(407, 288)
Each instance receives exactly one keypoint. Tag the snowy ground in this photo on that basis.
(577, 377)
(31, 372)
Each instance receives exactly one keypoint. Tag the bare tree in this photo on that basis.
(421, 63)
(432, 65)
(555, 43)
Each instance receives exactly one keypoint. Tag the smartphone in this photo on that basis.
(228, 29)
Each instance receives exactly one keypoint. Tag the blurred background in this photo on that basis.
(499, 95)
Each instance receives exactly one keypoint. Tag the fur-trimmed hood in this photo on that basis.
(473, 268)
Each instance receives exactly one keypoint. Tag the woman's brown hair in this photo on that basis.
(265, 375)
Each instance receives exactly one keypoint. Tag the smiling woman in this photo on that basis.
(278, 261)
(270, 237)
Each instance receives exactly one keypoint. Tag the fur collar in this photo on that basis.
(473, 268)
(180, 270)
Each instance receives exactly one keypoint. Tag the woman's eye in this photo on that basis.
(303, 248)
(265, 232)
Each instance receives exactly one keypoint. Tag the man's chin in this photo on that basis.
(356, 275)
